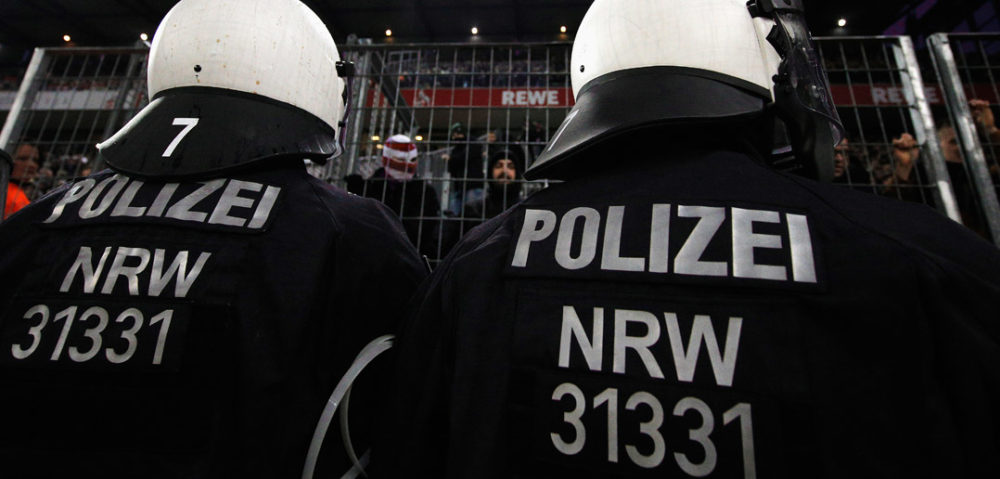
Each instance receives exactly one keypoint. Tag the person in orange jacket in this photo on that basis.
(24, 168)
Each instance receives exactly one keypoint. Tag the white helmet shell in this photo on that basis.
(640, 63)
(243, 45)
(712, 35)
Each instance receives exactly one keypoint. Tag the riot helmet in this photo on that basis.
(643, 63)
(233, 82)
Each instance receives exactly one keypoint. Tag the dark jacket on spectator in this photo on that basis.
(416, 203)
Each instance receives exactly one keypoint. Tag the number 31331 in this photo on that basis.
(570, 444)
(84, 334)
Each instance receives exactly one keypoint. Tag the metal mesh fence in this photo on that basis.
(469, 107)
(891, 149)
(968, 67)
(479, 114)
(70, 100)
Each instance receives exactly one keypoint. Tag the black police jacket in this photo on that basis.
(699, 315)
(191, 329)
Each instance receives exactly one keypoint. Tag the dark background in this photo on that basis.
(25, 24)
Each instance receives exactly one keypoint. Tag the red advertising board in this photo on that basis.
(489, 97)
(843, 96)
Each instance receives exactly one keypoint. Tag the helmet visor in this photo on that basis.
(805, 71)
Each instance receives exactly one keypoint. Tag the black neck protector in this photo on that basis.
(232, 130)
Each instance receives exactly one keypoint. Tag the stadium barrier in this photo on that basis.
(966, 67)
(507, 98)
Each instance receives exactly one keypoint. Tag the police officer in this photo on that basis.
(187, 313)
(677, 308)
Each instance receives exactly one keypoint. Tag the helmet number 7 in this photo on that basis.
(189, 124)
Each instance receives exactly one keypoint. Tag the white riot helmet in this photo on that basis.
(640, 63)
(233, 82)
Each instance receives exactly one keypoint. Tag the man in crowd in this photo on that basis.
(903, 182)
(848, 170)
(187, 313)
(23, 172)
(686, 311)
(468, 164)
(503, 189)
(982, 114)
(397, 185)
(6, 164)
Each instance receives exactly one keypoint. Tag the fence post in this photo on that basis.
(25, 98)
(965, 129)
(361, 86)
(924, 127)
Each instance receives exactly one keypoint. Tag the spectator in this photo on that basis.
(848, 169)
(503, 189)
(903, 181)
(960, 180)
(22, 174)
(986, 124)
(468, 170)
(45, 180)
(414, 200)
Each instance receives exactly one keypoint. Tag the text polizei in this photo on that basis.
(583, 227)
(242, 204)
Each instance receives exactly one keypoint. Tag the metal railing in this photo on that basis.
(469, 106)
(966, 67)
(885, 107)
(71, 99)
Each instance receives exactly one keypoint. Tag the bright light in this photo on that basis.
(378, 147)
(143, 37)
(376, 138)
(388, 32)
(67, 38)
(842, 22)
(419, 138)
(475, 30)
(562, 29)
